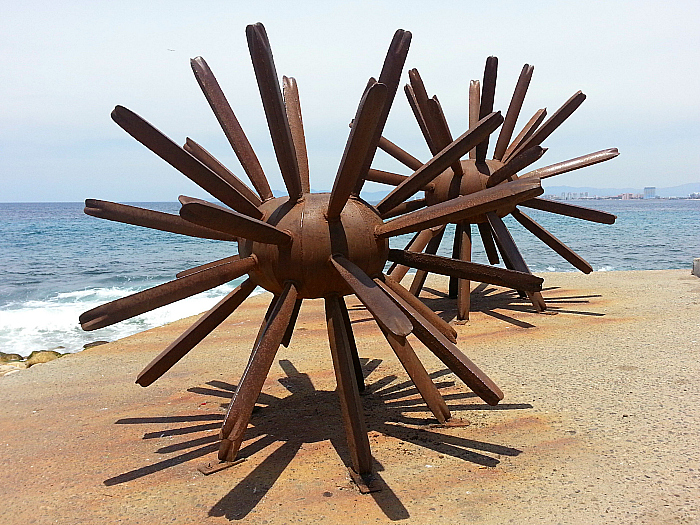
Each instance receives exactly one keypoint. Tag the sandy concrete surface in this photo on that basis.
(599, 424)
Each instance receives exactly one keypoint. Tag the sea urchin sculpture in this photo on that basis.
(305, 246)
(476, 174)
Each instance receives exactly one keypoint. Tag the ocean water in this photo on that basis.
(57, 262)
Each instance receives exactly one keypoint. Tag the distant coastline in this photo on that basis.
(684, 191)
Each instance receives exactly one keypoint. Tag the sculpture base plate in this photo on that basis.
(366, 483)
(210, 467)
(453, 422)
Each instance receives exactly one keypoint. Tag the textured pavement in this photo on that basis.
(599, 423)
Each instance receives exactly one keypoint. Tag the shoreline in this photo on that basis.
(67, 345)
(598, 423)
(65, 334)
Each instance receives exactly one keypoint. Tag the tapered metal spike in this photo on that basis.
(147, 300)
(553, 122)
(206, 158)
(463, 235)
(399, 154)
(515, 164)
(421, 275)
(194, 334)
(487, 240)
(376, 301)
(420, 119)
(443, 131)
(292, 105)
(570, 210)
(488, 93)
(273, 104)
(406, 207)
(206, 266)
(359, 142)
(550, 240)
(232, 129)
(525, 133)
(461, 208)
(250, 385)
(449, 354)
(573, 164)
(468, 270)
(390, 77)
(416, 371)
(217, 218)
(512, 255)
(155, 220)
(350, 402)
(178, 158)
(437, 321)
(516, 103)
(417, 244)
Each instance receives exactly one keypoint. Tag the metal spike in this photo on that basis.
(155, 220)
(170, 292)
(232, 129)
(217, 218)
(195, 333)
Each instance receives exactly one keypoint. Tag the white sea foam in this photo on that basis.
(606, 269)
(50, 323)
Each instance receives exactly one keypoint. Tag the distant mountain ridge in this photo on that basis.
(673, 191)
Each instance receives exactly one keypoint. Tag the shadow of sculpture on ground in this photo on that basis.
(495, 302)
(392, 407)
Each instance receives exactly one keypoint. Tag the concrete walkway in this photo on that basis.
(599, 424)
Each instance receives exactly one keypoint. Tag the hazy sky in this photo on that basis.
(65, 66)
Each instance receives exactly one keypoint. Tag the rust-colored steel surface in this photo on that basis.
(327, 245)
(449, 183)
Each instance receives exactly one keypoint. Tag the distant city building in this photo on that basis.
(650, 192)
(583, 195)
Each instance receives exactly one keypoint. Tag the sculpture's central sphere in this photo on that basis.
(473, 180)
(306, 259)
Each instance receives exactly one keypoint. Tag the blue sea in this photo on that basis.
(57, 262)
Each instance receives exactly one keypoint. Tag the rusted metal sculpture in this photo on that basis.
(476, 174)
(306, 245)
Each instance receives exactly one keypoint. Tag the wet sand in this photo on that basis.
(599, 423)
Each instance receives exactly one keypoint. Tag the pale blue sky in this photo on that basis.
(65, 66)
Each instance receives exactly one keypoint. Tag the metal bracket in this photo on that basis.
(211, 467)
(366, 483)
(454, 422)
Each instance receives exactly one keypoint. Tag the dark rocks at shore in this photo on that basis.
(42, 356)
(11, 363)
(6, 358)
